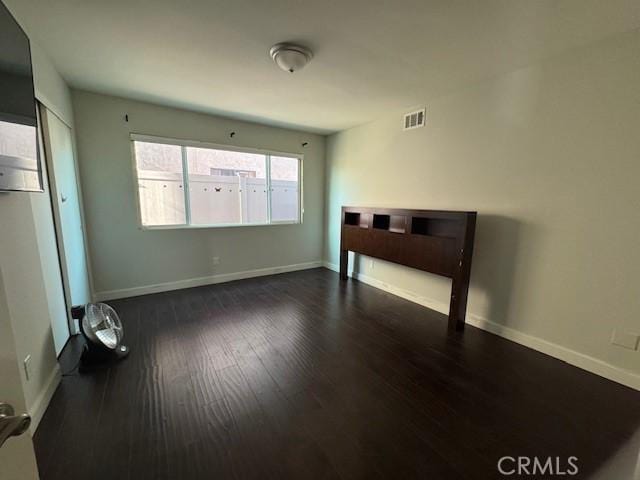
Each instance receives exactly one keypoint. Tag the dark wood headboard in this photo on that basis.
(435, 241)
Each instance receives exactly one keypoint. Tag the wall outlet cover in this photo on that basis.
(625, 339)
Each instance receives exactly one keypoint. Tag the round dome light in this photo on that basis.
(290, 57)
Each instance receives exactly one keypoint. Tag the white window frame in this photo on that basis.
(136, 137)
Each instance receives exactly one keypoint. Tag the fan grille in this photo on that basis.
(102, 325)
(108, 338)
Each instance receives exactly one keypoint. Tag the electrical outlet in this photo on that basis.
(625, 339)
(27, 366)
(371, 264)
(216, 260)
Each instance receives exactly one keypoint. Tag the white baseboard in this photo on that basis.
(200, 281)
(577, 359)
(42, 402)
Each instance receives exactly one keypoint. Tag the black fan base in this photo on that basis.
(94, 358)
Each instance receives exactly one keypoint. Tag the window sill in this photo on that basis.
(229, 225)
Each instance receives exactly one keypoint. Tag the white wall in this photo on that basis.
(549, 157)
(123, 256)
(51, 89)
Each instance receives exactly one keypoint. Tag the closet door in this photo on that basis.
(67, 208)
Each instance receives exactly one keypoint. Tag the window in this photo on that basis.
(182, 184)
(160, 184)
(227, 199)
(284, 189)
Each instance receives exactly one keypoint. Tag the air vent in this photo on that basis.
(415, 119)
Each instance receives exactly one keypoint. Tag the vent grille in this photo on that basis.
(415, 119)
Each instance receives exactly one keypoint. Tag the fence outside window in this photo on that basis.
(182, 186)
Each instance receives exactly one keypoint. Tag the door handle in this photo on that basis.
(12, 425)
(63, 198)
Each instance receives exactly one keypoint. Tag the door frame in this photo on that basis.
(54, 193)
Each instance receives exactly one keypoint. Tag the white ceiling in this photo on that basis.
(370, 55)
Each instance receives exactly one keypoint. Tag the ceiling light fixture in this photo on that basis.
(290, 57)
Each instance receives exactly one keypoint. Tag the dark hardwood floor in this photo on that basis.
(301, 376)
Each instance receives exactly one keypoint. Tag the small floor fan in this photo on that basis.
(102, 329)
